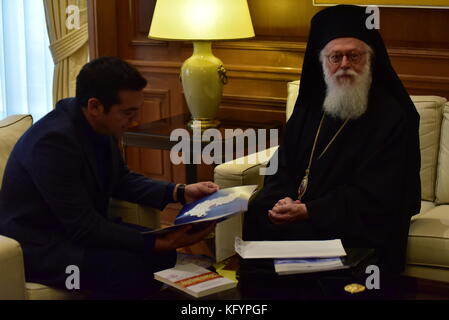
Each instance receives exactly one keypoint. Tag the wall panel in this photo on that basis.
(258, 69)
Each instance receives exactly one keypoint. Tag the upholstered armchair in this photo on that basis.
(12, 275)
(428, 242)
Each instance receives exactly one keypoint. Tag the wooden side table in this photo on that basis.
(156, 135)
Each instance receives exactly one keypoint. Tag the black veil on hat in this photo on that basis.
(344, 21)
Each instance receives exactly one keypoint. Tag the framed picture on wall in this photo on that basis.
(435, 4)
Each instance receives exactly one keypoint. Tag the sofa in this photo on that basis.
(428, 242)
(12, 274)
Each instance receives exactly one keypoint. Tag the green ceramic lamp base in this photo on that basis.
(203, 124)
(203, 76)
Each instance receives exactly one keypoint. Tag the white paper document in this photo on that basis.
(289, 249)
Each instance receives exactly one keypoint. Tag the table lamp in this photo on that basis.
(202, 21)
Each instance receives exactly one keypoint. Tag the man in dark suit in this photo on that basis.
(60, 177)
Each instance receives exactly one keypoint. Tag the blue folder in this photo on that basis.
(213, 211)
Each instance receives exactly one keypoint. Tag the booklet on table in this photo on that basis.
(194, 280)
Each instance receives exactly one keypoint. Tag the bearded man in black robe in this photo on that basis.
(350, 160)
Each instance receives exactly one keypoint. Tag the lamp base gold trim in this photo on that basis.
(203, 124)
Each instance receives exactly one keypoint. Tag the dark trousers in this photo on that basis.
(116, 274)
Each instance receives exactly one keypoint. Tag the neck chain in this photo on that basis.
(305, 181)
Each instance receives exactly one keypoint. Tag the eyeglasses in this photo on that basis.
(336, 58)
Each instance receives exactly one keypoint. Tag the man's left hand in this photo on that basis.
(199, 190)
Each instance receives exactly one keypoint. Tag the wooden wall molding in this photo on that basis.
(419, 53)
(154, 163)
(256, 108)
(102, 17)
(254, 102)
(263, 72)
(426, 85)
(261, 45)
(161, 94)
(161, 97)
(300, 47)
(163, 67)
(149, 42)
(234, 71)
(258, 45)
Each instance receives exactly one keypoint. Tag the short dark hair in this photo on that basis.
(103, 78)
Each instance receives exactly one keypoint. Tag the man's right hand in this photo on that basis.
(182, 237)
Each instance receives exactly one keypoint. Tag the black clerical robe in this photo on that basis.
(366, 186)
(356, 190)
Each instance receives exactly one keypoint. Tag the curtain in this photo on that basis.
(26, 66)
(68, 44)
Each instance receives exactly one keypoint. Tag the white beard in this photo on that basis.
(346, 99)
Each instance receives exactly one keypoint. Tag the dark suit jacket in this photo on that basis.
(55, 195)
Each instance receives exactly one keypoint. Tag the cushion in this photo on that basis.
(37, 291)
(134, 213)
(293, 88)
(12, 275)
(11, 129)
(442, 183)
(428, 273)
(426, 206)
(243, 171)
(428, 240)
(430, 110)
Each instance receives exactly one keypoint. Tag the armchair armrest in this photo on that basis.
(135, 214)
(12, 274)
(243, 171)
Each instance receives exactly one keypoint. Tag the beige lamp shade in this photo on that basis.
(201, 20)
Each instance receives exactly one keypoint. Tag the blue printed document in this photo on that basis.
(218, 206)
(294, 266)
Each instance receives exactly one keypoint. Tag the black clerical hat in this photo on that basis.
(343, 21)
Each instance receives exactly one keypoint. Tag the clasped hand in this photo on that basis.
(286, 211)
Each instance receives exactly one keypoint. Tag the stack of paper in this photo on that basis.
(289, 249)
(194, 280)
(295, 256)
(293, 266)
